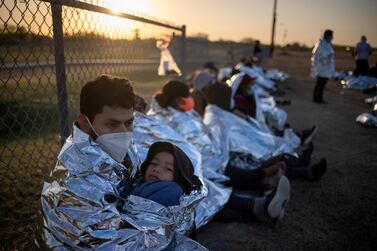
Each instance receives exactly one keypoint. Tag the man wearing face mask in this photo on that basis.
(107, 117)
(95, 164)
(323, 65)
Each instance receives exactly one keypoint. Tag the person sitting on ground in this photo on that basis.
(246, 106)
(200, 81)
(95, 164)
(166, 174)
(271, 205)
(219, 94)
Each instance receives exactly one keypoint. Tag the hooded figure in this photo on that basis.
(183, 168)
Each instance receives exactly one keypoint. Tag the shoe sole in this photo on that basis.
(310, 137)
(280, 199)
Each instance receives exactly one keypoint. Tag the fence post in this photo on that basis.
(61, 79)
(183, 53)
(231, 53)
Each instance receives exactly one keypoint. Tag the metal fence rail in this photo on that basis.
(48, 50)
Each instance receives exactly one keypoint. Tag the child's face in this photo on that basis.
(160, 168)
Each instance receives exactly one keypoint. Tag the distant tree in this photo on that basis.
(247, 40)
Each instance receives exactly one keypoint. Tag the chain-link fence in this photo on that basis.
(49, 49)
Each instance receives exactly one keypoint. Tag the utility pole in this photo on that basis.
(273, 29)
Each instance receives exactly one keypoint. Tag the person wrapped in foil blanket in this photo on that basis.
(191, 128)
(83, 206)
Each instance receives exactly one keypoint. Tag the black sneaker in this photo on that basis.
(306, 154)
(278, 198)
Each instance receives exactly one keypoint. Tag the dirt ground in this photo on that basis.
(337, 213)
(340, 211)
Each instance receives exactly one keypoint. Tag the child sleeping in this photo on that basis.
(167, 173)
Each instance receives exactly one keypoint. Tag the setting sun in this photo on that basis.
(128, 6)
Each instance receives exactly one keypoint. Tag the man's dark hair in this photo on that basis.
(327, 33)
(106, 91)
(219, 94)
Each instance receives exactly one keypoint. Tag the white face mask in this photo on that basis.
(114, 144)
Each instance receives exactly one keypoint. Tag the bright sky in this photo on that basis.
(303, 20)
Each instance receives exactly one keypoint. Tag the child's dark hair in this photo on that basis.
(219, 94)
(170, 92)
(246, 79)
(106, 91)
(183, 168)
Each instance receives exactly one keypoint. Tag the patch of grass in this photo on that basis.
(30, 143)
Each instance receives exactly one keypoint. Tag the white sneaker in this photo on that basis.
(278, 198)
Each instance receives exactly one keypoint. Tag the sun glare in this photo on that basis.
(116, 24)
(128, 6)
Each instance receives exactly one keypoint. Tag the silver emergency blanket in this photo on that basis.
(250, 136)
(359, 82)
(257, 73)
(167, 62)
(341, 75)
(266, 110)
(78, 214)
(224, 73)
(372, 100)
(148, 130)
(323, 61)
(275, 74)
(191, 127)
(367, 119)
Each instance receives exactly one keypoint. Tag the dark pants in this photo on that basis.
(238, 209)
(362, 67)
(243, 179)
(318, 89)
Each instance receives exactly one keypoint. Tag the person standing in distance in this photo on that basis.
(323, 65)
(362, 53)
